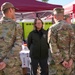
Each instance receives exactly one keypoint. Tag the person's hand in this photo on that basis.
(70, 63)
(2, 65)
(65, 64)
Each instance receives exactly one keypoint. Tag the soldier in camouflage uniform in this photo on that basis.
(10, 41)
(67, 18)
(61, 42)
(73, 52)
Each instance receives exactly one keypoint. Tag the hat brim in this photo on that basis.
(16, 8)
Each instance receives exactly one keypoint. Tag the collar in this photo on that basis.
(42, 30)
(6, 18)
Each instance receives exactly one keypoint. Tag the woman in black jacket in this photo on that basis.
(37, 43)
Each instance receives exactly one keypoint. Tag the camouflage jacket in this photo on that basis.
(61, 41)
(10, 38)
(73, 52)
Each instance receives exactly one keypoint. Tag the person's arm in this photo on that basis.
(56, 53)
(14, 46)
(8, 44)
(17, 44)
(18, 39)
(72, 43)
(29, 40)
(72, 47)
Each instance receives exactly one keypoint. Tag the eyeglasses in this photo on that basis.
(38, 23)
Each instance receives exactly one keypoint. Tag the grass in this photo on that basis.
(29, 28)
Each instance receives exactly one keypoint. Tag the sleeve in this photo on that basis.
(56, 53)
(72, 44)
(13, 46)
(67, 39)
(18, 39)
(48, 40)
(29, 40)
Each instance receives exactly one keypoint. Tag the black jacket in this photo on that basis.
(37, 43)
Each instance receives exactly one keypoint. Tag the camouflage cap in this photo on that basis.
(7, 5)
(58, 10)
(66, 16)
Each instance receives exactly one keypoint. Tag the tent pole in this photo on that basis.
(23, 28)
(37, 15)
(73, 17)
(23, 31)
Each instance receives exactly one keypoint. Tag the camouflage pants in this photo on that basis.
(74, 69)
(1, 72)
(12, 66)
(11, 71)
(60, 70)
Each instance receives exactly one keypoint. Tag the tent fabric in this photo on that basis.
(69, 8)
(30, 5)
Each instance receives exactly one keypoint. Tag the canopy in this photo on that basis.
(69, 8)
(30, 5)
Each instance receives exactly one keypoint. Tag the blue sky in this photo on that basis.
(60, 2)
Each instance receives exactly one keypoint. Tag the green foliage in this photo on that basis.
(44, 0)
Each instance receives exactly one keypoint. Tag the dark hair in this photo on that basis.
(36, 21)
(6, 10)
(66, 16)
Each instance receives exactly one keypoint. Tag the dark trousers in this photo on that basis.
(43, 64)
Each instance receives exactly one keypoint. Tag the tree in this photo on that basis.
(44, 0)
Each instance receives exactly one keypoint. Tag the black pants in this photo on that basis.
(43, 64)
